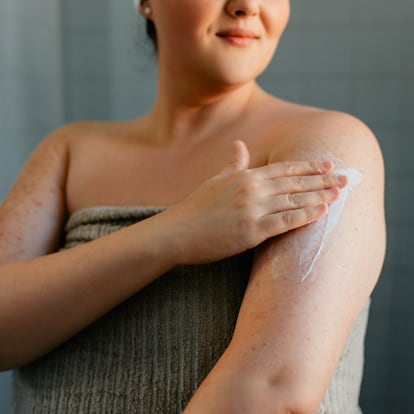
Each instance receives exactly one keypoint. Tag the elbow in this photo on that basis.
(235, 392)
(280, 403)
(289, 405)
(292, 394)
(281, 397)
(286, 393)
(301, 408)
(290, 402)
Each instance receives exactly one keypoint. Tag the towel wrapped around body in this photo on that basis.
(150, 354)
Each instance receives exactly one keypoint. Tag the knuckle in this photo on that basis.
(293, 199)
(286, 219)
(289, 168)
(248, 186)
(297, 182)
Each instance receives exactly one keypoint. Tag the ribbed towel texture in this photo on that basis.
(150, 354)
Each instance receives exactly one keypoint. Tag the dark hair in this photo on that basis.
(151, 32)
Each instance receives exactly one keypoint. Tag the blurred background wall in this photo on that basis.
(68, 60)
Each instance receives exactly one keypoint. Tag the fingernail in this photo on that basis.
(342, 179)
(320, 207)
(327, 165)
(334, 192)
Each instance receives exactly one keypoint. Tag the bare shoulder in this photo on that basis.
(322, 134)
(93, 139)
(63, 137)
(39, 199)
(77, 132)
(88, 141)
(33, 212)
(338, 130)
(321, 130)
(79, 129)
(355, 151)
(56, 147)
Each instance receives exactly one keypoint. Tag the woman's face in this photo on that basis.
(228, 41)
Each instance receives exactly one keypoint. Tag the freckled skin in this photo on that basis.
(38, 194)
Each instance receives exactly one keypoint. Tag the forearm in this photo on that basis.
(45, 301)
(233, 387)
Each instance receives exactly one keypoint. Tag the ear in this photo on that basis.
(144, 8)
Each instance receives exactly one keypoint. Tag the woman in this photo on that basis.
(95, 328)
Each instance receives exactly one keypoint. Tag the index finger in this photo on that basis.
(294, 168)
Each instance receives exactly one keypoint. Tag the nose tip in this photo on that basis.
(243, 8)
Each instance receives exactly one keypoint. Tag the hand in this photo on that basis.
(240, 208)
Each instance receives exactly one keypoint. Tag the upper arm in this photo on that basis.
(32, 214)
(308, 286)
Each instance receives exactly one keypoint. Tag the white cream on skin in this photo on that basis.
(319, 234)
(311, 243)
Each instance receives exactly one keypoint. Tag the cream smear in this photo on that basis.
(313, 238)
(315, 242)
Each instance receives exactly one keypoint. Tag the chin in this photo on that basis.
(236, 72)
(231, 80)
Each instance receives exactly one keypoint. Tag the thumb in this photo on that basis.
(241, 159)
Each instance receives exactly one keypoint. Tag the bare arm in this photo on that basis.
(45, 297)
(292, 329)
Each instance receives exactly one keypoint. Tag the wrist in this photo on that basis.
(174, 238)
(160, 238)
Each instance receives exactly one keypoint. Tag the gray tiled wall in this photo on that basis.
(30, 92)
(30, 80)
(106, 75)
(351, 55)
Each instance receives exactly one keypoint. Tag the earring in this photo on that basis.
(147, 10)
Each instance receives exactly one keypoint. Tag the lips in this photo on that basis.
(237, 32)
(238, 37)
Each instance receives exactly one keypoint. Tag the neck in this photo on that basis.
(184, 112)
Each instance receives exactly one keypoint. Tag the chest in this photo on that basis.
(114, 174)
